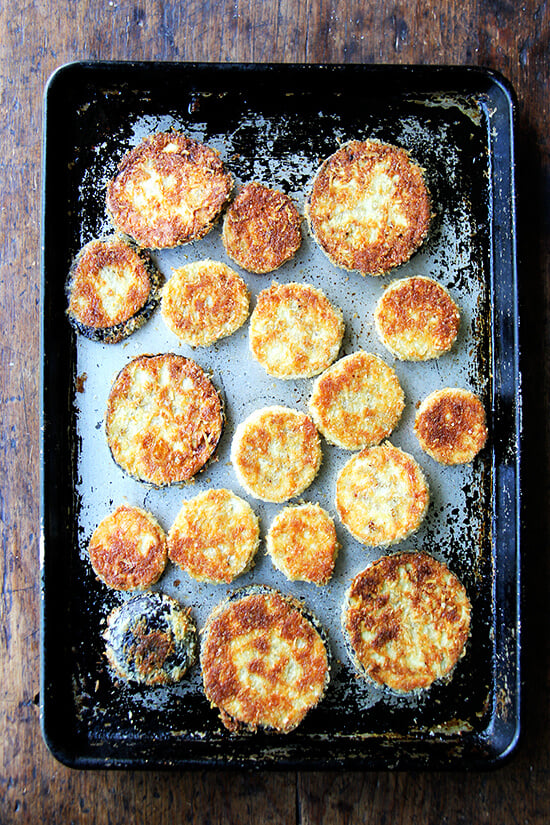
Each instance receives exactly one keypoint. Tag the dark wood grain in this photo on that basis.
(35, 38)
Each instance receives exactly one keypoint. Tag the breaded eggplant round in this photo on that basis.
(381, 495)
(151, 639)
(164, 419)
(112, 289)
(406, 620)
(203, 302)
(128, 549)
(276, 453)
(261, 229)
(369, 207)
(264, 661)
(417, 319)
(357, 401)
(295, 332)
(168, 190)
(302, 543)
(214, 537)
(450, 425)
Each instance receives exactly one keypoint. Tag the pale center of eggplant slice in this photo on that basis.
(370, 209)
(114, 283)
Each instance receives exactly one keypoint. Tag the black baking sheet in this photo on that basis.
(275, 123)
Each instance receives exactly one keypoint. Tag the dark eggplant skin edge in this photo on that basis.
(117, 333)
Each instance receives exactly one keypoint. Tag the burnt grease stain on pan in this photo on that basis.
(129, 723)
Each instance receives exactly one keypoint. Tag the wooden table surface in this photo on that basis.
(35, 38)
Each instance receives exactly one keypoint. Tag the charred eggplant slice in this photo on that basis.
(151, 639)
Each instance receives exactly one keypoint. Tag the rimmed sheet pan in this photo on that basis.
(274, 123)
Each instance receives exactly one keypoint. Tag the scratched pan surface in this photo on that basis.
(274, 124)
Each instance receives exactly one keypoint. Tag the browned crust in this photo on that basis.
(361, 375)
(271, 332)
(151, 649)
(418, 306)
(196, 416)
(194, 180)
(261, 228)
(209, 543)
(118, 553)
(112, 289)
(451, 426)
(407, 619)
(382, 495)
(85, 301)
(394, 244)
(276, 453)
(254, 623)
(302, 543)
(204, 301)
